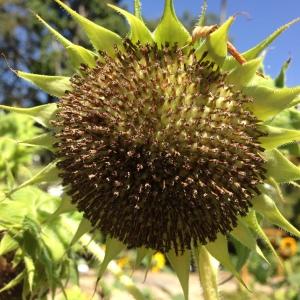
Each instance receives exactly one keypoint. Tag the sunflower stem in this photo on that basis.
(207, 274)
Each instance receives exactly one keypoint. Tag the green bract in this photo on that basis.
(166, 144)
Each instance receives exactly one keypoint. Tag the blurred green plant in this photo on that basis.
(15, 156)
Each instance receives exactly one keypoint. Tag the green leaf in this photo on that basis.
(42, 114)
(78, 55)
(216, 43)
(30, 271)
(45, 140)
(138, 30)
(280, 168)
(137, 9)
(243, 74)
(170, 29)
(112, 250)
(181, 265)
(219, 250)
(47, 174)
(267, 207)
(52, 85)
(278, 136)
(18, 279)
(7, 244)
(267, 102)
(251, 221)
(280, 79)
(101, 38)
(242, 234)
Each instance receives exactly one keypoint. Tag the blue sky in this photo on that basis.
(266, 16)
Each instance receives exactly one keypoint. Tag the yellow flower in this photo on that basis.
(158, 262)
(287, 247)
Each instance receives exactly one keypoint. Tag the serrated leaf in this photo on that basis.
(278, 136)
(181, 265)
(137, 9)
(267, 207)
(280, 168)
(138, 30)
(257, 50)
(7, 244)
(251, 221)
(52, 85)
(78, 55)
(47, 174)
(242, 234)
(267, 102)
(216, 43)
(101, 38)
(219, 250)
(243, 74)
(170, 29)
(45, 140)
(65, 42)
(112, 250)
(42, 114)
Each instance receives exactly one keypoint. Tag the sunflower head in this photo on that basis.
(165, 142)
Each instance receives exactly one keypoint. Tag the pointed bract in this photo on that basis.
(251, 221)
(137, 9)
(45, 140)
(267, 207)
(47, 174)
(267, 102)
(216, 44)
(219, 250)
(52, 85)
(101, 38)
(170, 29)
(138, 30)
(42, 114)
(112, 250)
(245, 237)
(181, 265)
(83, 228)
(243, 74)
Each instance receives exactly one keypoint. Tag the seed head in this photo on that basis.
(157, 149)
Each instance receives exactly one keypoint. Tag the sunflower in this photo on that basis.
(166, 143)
